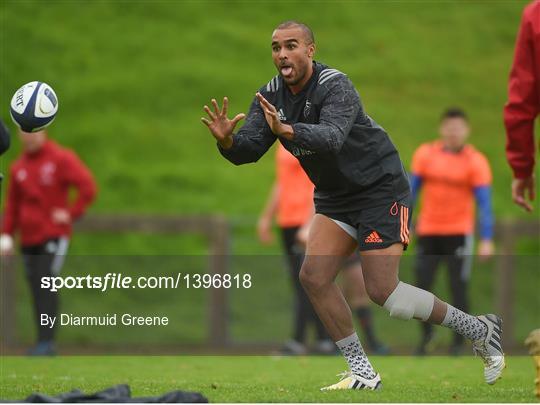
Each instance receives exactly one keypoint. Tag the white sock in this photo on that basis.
(355, 356)
(466, 325)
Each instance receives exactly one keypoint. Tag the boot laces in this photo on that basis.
(344, 375)
(480, 349)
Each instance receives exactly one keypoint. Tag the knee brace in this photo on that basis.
(407, 301)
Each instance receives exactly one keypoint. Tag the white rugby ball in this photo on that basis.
(34, 106)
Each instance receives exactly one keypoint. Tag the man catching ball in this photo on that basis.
(362, 198)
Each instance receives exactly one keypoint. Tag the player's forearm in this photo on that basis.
(286, 131)
(79, 207)
(338, 115)
(520, 147)
(238, 155)
(9, 220)
(519, 117)
(87, 191)
(225, 143)
(8, 227)
(251, 141)
(247, 147)
(319, 137)
(270, 208)
(485, 212)
(523, 105)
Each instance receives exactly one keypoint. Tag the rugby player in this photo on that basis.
(451, 174)
(362, 198)
(39, 208)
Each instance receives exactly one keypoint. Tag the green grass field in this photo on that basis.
(269, 379)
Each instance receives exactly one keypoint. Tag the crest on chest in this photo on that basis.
(46, 173)
(307, 109)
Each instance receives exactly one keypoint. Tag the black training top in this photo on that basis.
(349, 158)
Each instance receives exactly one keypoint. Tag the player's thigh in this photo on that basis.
(328, 238)
(327, 247)
(381, 269)
(383, 233)
(353, 283)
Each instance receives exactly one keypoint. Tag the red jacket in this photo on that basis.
(40, 182)
(524, 94)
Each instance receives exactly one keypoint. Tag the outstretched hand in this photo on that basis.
(272, 118)
(219, 125)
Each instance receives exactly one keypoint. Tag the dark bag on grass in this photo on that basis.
(119, 394)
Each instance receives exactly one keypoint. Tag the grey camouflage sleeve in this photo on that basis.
(252, 140)
(338, 114)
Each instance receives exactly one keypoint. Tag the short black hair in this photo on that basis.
(310, 38)
(454, 112)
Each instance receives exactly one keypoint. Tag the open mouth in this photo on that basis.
(286, 70)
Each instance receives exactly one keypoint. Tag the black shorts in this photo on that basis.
(377, 227)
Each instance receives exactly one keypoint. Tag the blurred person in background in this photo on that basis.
(523, 107)
(291, 203)
(38, 206)
(452, 175)
(5, 139)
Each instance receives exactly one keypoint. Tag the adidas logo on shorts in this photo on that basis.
(373, 238)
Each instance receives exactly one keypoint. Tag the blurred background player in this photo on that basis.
(5, 141)
(39, 207)
(291, 203)
(523, 106)
(452, 174)
(4, 138)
